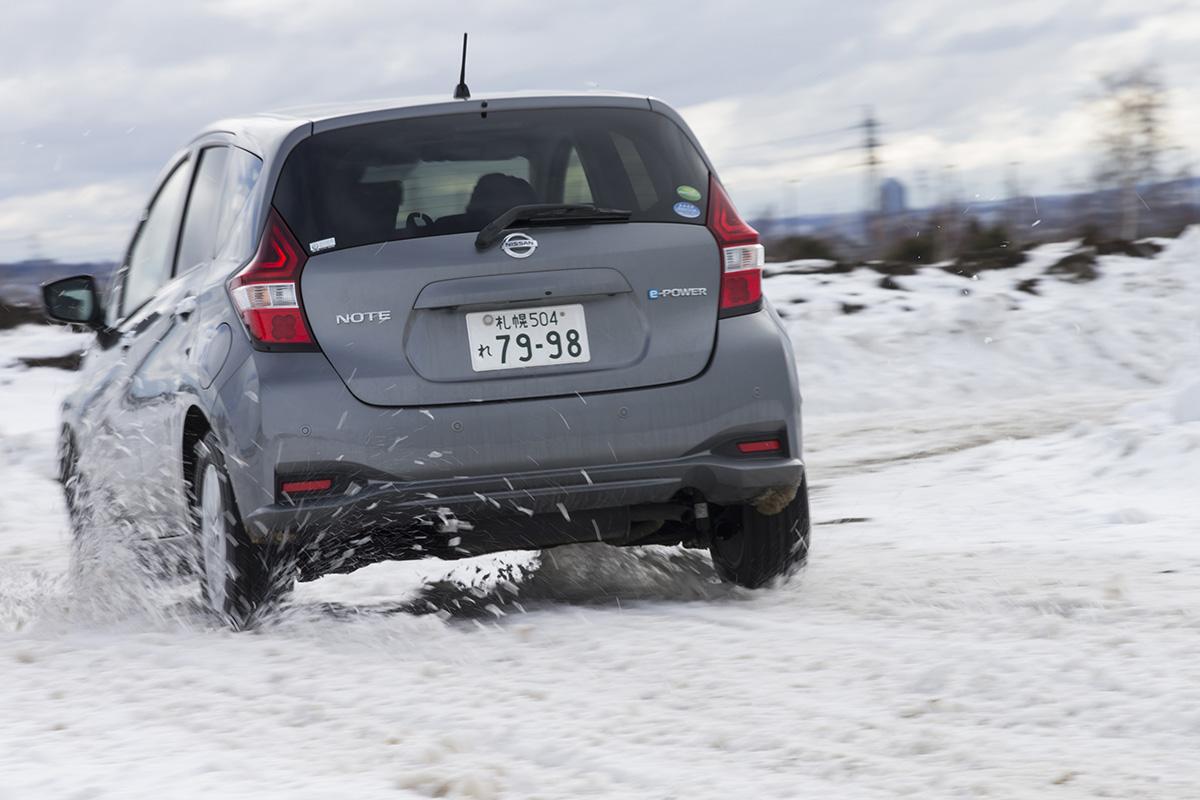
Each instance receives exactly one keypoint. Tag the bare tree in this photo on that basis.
(1132, 140)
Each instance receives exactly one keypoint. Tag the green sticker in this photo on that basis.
(688, 192)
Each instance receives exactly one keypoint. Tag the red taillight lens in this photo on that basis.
(298, 487)
(760, 446)
(741, 254)
(267, 291)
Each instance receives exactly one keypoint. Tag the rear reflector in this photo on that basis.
(760, 446)
(267, 295)
(741, 254)
(295, 487)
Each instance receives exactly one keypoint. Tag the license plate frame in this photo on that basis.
(532, 336)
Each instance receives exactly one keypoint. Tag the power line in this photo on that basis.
(802, 137)
(807, 156)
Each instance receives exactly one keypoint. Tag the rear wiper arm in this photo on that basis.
(545, 213)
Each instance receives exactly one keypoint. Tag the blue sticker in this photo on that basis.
(689, 210)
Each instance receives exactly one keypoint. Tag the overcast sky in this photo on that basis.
(96, 96)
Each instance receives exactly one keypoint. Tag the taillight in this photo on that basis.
(267, 291)
(741, 254)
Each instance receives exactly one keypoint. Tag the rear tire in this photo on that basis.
(751, 549)
(240, 581)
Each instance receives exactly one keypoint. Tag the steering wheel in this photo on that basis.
(416, 221)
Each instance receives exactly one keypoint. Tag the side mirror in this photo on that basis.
(74, 301)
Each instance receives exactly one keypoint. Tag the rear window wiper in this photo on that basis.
(535, 213)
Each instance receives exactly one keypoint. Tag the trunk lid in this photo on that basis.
(392, 318)
(411, 312)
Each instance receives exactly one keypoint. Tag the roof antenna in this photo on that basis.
(461, 92)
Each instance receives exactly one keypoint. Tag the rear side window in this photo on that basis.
(234, 237)
(455, 173)
(196, 244)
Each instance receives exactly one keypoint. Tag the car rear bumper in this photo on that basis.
(291, 417)
(370, 503)
(628, 504)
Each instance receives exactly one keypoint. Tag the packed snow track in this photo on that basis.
(1001, 600)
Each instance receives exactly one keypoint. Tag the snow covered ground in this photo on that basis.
(1001, 600)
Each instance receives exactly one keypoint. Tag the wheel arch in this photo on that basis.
(195, 427)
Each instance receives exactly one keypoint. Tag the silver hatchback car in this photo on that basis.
(437, 328)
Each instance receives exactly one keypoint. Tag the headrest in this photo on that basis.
(496, 192)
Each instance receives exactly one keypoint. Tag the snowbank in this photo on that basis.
(40, 341)
(942, 339)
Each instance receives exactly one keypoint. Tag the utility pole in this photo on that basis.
(1012, 188)
(871, 144)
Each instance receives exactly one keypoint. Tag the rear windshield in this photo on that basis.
(456, 173)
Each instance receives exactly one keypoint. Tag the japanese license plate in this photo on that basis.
(527, 337)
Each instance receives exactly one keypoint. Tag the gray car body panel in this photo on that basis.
(640, 438)
(735, 397)
(420, 354)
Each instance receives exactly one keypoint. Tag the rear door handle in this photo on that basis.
(185, 307)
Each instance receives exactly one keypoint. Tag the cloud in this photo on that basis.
(84, 222)
(101, 94)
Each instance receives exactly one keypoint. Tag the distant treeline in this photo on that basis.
(969, 240)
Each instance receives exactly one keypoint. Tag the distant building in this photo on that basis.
(893, 197)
